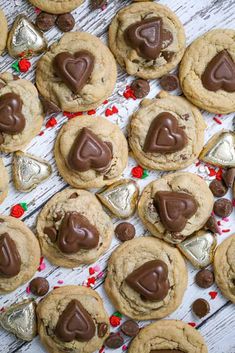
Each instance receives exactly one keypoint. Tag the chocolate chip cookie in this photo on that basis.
(224, 266)
(21, 115)
(78, 73)
(3, 181)
(56, 6)
(72, 319)
(148, 41)
(73, 229)
(90, 152)
(168, 336)
(166, 133)
(146, 278)
(207, 71)
(3, 38)
(175, 206)
(19, 254)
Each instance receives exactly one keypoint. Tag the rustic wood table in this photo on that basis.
(218, 327)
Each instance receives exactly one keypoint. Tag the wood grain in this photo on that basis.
(198, 17)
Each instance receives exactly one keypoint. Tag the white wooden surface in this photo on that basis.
(197, 16)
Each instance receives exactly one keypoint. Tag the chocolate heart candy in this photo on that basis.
(75, 233)
(89, 152)
(12, 121)
(146, 37)
(74, 70)
(174, 209)
(165, 135)
(75, 323)
(220, 73)
(10, 261)
(150, 280)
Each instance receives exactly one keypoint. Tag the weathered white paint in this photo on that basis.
(198, 17)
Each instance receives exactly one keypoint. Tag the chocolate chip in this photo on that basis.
(45, 21)
(201, 307)
(51, 232)
(74, 195)
(211, 225)
(229, 177)
(169, 82)
(39, 286)
(167, 55)
(125, 231)
(65, 22)
(114, 340)
(130, 328)
(204, 278)
(140, 88)
(218, 188)
(102, 329)
(49, 107)
(223, 207)
(58, 216)
(97, 4)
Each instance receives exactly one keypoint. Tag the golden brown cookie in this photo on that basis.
(3, 181)
(3, 38)
(56, 6)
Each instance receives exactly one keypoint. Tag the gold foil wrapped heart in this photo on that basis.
(199, 249)
(20, 319)
(25, 38)
(29, 171)
(120, 198)
(220, 150)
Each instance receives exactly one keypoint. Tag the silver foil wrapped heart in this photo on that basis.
(199, 249)
(220, 150)
(120, 198)
(25, 39)
(20, 319)
(29, 171)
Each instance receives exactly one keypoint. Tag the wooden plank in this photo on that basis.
(198, 17)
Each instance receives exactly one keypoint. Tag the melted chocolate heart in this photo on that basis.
(89, 152)
(10, 261)
(174, 209)
(76, 233)
(150, 280)
(75, 323)
(12, 121)
(165, 135)
(220, 73)
(74, 70)
(146, 37)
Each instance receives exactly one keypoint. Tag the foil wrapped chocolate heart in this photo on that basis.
(220, 150)
(20, 319)
(120, 198)
(25, 39)
(199, 249)
(29, 171)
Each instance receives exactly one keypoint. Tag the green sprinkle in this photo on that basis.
(117, 314)
(24, 205)
(15, 66)
(145, 174)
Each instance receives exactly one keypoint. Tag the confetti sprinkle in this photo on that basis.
(28, 290)
(193, 324)
(42, 264)
(24, 65)
(15, 66)
(96, 268)
(213, 295)
(217, 120)
(109, 112)
(72, 115)
(91, 271)
(225, 230)
(41, 133)
(101, 349)
(145, 174)
(129, 93)
(114, 321)
(100, 275)
(124, 348)
(91, 112)
(106, 101)
(51, 122)
(137, 172)
(17, 211)
(60, 281)
(24, 205)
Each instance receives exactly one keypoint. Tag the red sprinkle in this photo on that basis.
(24, 65)
(109, 112)
(91, 271)
(41, 133)
(17, 211)
(72, 115)
(219, 174)
(56, 287)
(212, 171)
(129, 93)
(106, 101)
(225, 230)
(51, 122)
(91, 281)
(137, 172)
(101, 349)
(91, 112)
(197, 163)
(217, 120)
(192, 324)
(213, 295)
(114, 321)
